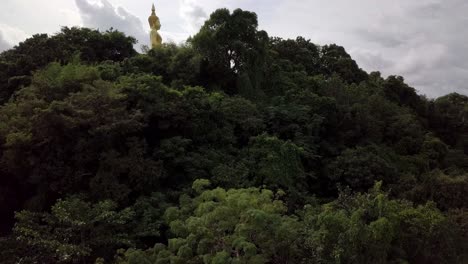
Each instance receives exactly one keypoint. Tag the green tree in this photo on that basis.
(55, 133)
(334, 59)
(225, 226)
(398, 91)
(360, 168)
(38, 51)
(448, 119)
(372, 228)
(300, 52)
(231, 45)
(74, 231)
(277, 165)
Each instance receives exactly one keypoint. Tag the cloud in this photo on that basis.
(104, 15)
(378, 36)
(425, 41)
(193, 14)
(374, 58)
(196, 12)
(3, 44)
(426, 44)
(10, 36)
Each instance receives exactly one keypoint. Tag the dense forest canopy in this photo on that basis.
(235, 147)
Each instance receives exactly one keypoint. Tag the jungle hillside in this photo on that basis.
(234, 147)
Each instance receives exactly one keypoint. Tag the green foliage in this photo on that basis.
(300, 52)
(360, 168)
(219, 226)
(60, 133)
(398, 91)
(90, 45)
(372, 228)
(74, 230)
(277, 165)
(250, 226)
(446, 190)
(448, 119)
(232, 148)
(334, 59)
(231, 45)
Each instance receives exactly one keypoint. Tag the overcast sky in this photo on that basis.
(426, 41)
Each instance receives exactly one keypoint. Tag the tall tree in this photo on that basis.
(231, 45)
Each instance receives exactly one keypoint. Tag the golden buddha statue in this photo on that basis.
(155, 25)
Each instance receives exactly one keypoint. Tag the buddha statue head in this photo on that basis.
(154, 20)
